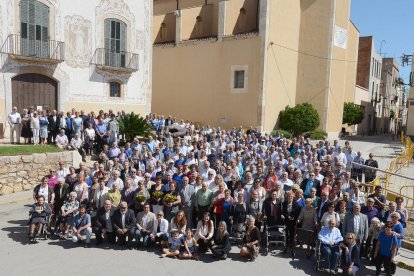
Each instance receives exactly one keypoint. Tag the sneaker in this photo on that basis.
(87, 245)
(224, 257)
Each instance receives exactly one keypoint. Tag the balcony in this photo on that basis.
(122, 62)
(32, 50)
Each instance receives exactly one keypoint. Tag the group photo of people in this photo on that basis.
(209, 191)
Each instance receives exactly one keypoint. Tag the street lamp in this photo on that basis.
(375, 101)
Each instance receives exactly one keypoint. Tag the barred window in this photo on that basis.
(115, 89)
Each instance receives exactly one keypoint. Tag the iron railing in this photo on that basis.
(108, 59)
(22, 47)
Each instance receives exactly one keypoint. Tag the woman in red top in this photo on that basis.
(270, 180)
(222, 208)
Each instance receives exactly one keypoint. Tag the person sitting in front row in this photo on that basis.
(220, 245)
(38, 213)
(145, 223)
(123, 223)
(251, 241)
(351, 261)
(160, 229)
(81, 226)
(330, 237)
(103, 223)
(174, 244)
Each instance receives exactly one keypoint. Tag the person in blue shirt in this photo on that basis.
(330, 237)
(81, 226)
(385, 250)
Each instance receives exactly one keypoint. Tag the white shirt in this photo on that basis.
(62, 173)
(117, 182)
(145, 221)
(123, 220)
(14, 118)
(356, 224)
(44, 191)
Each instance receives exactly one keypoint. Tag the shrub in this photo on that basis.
(353, 114)
(132, 125)
(285, 133)
(316, 135)
(299, 119)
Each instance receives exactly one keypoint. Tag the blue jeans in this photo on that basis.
(331, 255)
(145, 237)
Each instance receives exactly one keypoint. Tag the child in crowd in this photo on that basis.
(189, 249)
(174, 245)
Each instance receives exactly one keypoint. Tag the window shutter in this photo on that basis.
(123, 37)
(107, 34)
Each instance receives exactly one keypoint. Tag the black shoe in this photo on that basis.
(87, 245)
(224, 257)
(284, 251)
(130, 248)
(292, 254)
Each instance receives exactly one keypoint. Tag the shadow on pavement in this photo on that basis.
(19, 232)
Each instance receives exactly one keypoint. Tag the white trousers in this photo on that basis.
(36, 133)
(15, 129)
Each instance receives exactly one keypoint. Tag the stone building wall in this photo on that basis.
(24, 172)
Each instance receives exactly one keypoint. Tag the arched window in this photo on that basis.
(34, 28)
(114, 89)
(115, 43)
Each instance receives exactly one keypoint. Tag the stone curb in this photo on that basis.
(407, 245)
(404, 265)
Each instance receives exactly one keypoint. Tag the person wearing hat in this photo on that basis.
(123, 223)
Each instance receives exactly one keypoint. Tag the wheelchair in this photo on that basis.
(237, 232)
(274, 234)
(319, 257)
(42, 234)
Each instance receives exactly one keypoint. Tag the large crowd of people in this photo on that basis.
(194, 193)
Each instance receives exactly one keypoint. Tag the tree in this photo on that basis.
(299, 119)
(353, 114)
(132, 125)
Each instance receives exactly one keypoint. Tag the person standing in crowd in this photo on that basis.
(371, 174)
(113, 129)
(385, 250)
(35, 127)
(43, 133)
(26, 132)
(53, 127)
(14, 119)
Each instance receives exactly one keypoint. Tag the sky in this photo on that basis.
(391, 21)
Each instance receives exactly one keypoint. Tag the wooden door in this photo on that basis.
(34, 90)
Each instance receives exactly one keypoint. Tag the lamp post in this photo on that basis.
(375, 101)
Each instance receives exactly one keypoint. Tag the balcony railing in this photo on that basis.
(47, 51)
(105, 59)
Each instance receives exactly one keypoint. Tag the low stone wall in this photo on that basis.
(24, 172)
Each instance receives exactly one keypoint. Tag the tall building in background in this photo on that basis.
(392, 94)
(89, 55)
(368, 91)
(240, 62)
(409, 122)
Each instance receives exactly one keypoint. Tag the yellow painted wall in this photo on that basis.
(313, 63)
(169, 20)
(189, 21)
(281, 63)
(352, 57)
(237, 22)
(164, 6)
(193, 82)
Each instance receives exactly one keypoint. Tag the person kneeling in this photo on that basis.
(220, 245)
(174, 244)
(251, 241)
(82, 227)
(350, 255)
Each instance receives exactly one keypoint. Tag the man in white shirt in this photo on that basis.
(115, 180)
(62, 171)
(14, 119)
(160, 229)
(77, 144)
(62, 140)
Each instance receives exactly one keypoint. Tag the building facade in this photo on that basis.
(90, 55)
(240, 62)
(392, 94)
(368, 77)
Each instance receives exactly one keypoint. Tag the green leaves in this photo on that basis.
(132, 125)
(353, 114)
(299, 119)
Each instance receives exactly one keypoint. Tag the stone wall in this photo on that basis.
(24, 172)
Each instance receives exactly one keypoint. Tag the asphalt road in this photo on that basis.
(64, 258)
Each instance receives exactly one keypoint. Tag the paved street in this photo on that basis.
(20, 258)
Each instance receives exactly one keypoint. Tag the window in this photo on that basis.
(115, 89)
(115, 43)
(34, 28)
(239, 79)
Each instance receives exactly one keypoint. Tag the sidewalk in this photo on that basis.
(405, 259)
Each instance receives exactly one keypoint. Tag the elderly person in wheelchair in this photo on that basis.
(329, 238)
(38, 215)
